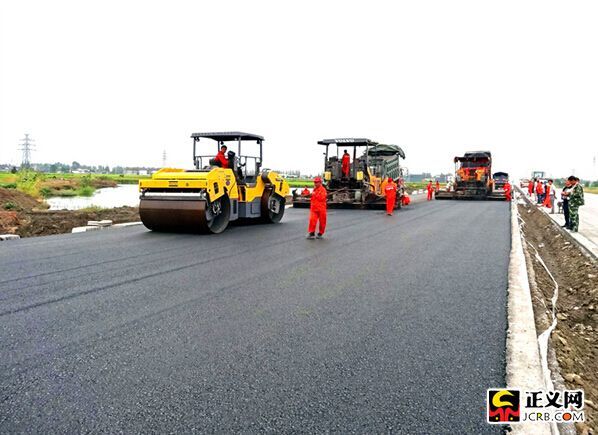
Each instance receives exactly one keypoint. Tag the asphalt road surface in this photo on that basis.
(391, 324)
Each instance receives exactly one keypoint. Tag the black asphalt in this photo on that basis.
(391, 324)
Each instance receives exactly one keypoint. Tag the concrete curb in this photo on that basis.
(101, 227)
(4, 237)
(524, 370)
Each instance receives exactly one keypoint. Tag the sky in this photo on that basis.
(119, 82)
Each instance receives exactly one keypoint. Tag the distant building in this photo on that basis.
(416, 178)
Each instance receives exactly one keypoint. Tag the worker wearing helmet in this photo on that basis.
(390, 190)
(345, 163)
(221, 157)
(317, 210)
(430, 190)
(507, 189)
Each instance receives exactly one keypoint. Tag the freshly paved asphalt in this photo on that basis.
(391, 324)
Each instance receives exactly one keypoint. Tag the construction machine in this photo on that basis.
(500, 179)
(473, 178)
(363, 187)
(205, 199)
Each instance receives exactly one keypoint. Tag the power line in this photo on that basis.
(26, 146)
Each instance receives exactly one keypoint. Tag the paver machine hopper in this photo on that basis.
(473, 178)
(363, 185)
(205, 199)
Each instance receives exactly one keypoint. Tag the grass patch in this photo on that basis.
(9, 205)
(92, 209)
(85, 191)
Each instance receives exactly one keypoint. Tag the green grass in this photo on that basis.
(92, 209)
(85, 191)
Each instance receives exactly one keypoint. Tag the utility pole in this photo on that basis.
(26, 146)
(164, 159)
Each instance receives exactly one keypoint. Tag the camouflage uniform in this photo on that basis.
(575, 200)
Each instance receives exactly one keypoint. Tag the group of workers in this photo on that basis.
(432, 189)
(571, 198)
(318, 200)
(545, 193)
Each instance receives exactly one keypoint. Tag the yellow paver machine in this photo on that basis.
(362, 186)
(207, 198)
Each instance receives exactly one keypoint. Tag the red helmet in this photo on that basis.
(318, 180)
(389, 179)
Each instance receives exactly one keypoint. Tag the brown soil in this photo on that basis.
(13, 199)
(71, 184)
(575, 338)
(27, 218)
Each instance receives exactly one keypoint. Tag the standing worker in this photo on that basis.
(575, 201)
(507, 189)
(548, 195)
(345, 164)
(429, 188)
(565, 199)
(437, 186)
(317, 210)
(539, 192)
(390, 190)
(530, 187)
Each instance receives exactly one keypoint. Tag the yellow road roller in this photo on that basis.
(223, 187)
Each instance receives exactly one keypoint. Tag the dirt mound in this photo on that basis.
(575, 338)
(15, 200)
(42, 223)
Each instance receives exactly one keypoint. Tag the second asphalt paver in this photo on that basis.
(388, 325)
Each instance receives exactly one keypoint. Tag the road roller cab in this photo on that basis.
(208, 197)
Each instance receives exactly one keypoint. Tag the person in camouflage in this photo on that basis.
(575, 201)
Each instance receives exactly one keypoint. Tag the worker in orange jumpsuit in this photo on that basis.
(390, 191)
(530, 187)
(305, 191)
(345, 164)
(507, 189)
(430, 190)
(539, 192)
(437, 186)
(317, 210)
(221, 158)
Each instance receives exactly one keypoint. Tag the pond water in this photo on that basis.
(109, 197)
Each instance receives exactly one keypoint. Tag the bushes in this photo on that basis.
(29, 182)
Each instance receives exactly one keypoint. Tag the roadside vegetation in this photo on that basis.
(45, 185)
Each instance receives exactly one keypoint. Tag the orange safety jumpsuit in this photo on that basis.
(317, 210)
(222, 159)
(390, 190)
(507, 189)
(429, 191)
(345, 163)
(437, 185)
(530, 187)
